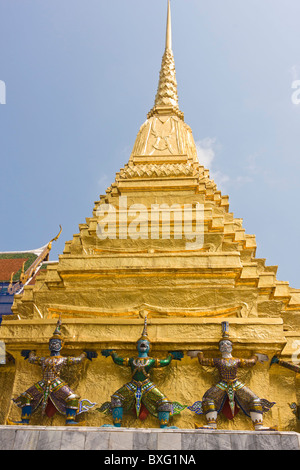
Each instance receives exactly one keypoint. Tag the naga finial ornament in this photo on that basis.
(55, 238)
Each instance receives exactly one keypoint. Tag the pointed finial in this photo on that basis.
(144, 335)
(10, 288)
(57, 334)
(23, 276)
(11, 278)
(169, 28)
(225, 329)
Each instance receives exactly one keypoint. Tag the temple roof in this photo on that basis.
(13, 262)
(19, 269)
(16, 270)
(21, 266)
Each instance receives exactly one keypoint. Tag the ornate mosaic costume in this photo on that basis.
(52, 393)
(141, 390)
(230, 394)
(141, 394)
(295, 367)
(231, 389)
(51, 388)
(286, 364)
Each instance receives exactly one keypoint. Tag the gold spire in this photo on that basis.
(169, 28)
(166, 100)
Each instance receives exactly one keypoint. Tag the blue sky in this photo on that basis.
(81, 76)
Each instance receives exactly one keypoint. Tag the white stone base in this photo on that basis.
(124, 439)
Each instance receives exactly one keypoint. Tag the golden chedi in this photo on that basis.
(160, 243)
